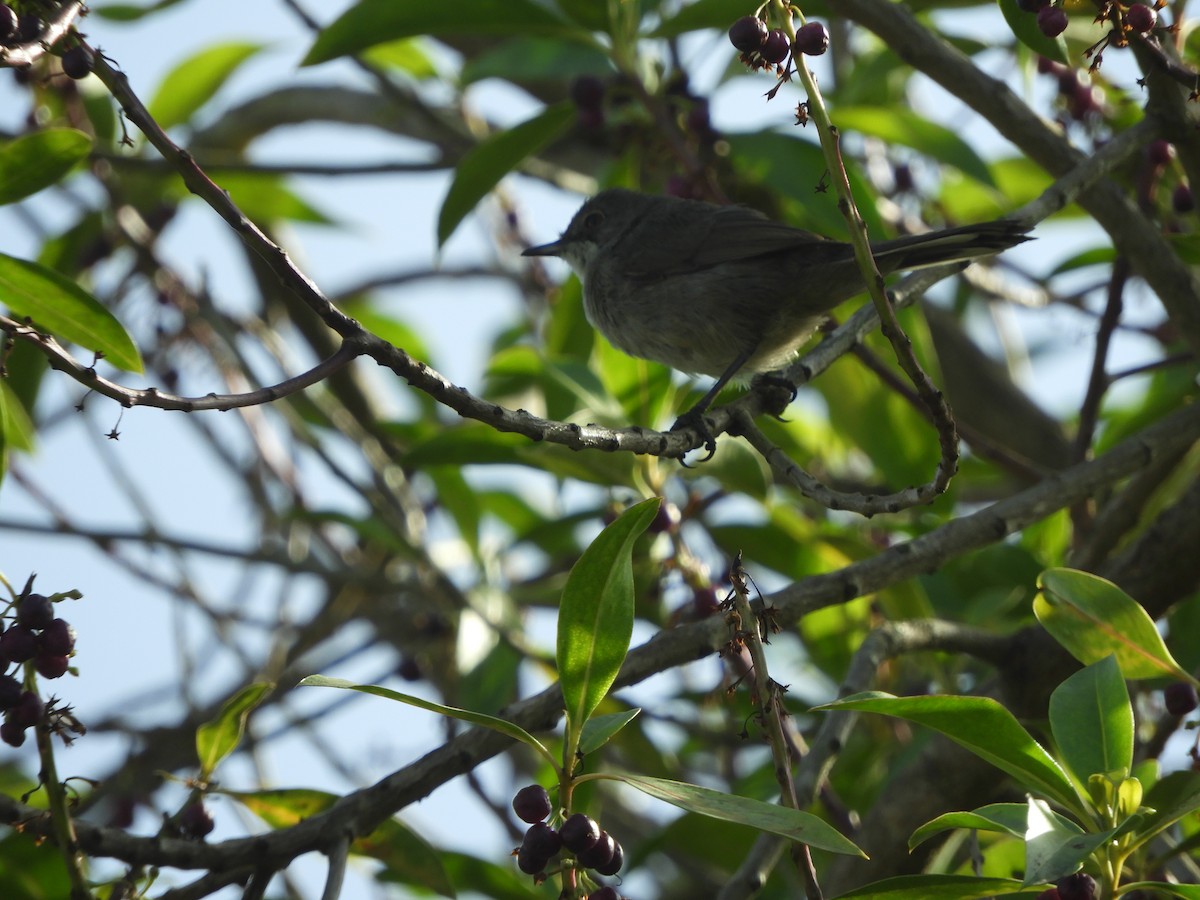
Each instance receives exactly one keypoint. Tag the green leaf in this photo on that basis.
(595, 617)
(265, 197)
(406, 55)
(1006, 818)
(128, 12)
(1054, 847)
(217, 738)
(982, 726)
(482, 167)
(598, 730)
(901, 126)
(194, 81)
(64, 309)
(371, 22)
(408, 857)
(719, 14)
(1172, 798)
(37, 160)
(1093, 617)
(1025, 27)
(790, 823)
(1186, 891)
(531, 58)
(16, 428)
(937, 887)
(1092, 721)
(516, 732)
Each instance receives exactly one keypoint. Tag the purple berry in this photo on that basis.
(57, 638)
(1079, 886)
(541, 842)
(29, 29)
(1182, 200)
(812, 39)
(51, 666)
(12, 733)
(1052, 21)
(18, 644)
(748, 33)
(8, 22)
(579, 833)
(28, 710)
(599, 854)
(587, 92)
(613, 866)
(78, 62)
(1180, 699)
(775, 48)
(195, 823)
(35, 611)
(604, 893)
(1160, 152)
(10, 692)
(1141, 18)
(532, 803)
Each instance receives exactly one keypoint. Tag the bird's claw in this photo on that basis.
(693, 420)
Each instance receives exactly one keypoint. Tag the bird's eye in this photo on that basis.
(593, 220)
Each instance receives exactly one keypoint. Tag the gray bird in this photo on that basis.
(723, 290)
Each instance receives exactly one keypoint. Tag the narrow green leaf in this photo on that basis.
(516, 732)
(66, 310)
(16, 428)
(936, 887)
(371, 22)
(1006, 818)
(129, 12)
(1092, 721)
(217, 738)
(595, 617)
(1186, 891)
(984, 727)
(1025, 27)
(194, 81)
(902, 126)
(408, 857)
(1171, 798)
(1054, 847)
(598, 730)
(1093, 617)
(37, 160)
(482, 167)
(790, 823)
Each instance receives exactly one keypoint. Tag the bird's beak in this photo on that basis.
(554, 248)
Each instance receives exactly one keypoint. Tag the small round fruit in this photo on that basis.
(12, 733)
(35, 611)
(10, 691)
(1141, 18)
(579, 833)
(1049, 894)
(604, 893)
(542, 840)
(1160, 152)
(78, 62)
(613, 866)
(1182, 200)
(775, 48)
(57, 638)
(51, 666)
(18, 644)
(532, 803)
(812, 39)
(195, 821)
(599, 854)
(8, 22)
(1079, 886)
(29, 29)
(28, 710)
(1052, 21)
(587, 92)
(1180, 699)
(748, 33)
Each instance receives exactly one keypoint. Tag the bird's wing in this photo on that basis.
(731, 234)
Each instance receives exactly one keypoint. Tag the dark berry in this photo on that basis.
(1046, 66)
(902, 176)
(532, 803)
(579, 832)
(409, 669)
(1049, 894)
(1082, 101)
(541, 842)
(1079, 886)
(18, 644)
(604, 893)
(78, 62)
(1180, 698)
(35, 611)
(8, 22)
(1141, 18)
(775, 48)
(698, 121)
(590, 119)
(10, 691)
(195, 821)
(665, 519)
(748, 33)
(1052, 21)
(600, 853)
(12, 733)
(812, 39)
(51, 666)
(1032, 6)
(587, 92)
(29, 28)
(1182, 200)
(704, 602)
(57, 638)
(613, 866)
(28, 710)
(1160, 152)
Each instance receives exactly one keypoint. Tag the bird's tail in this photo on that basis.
(951, 245)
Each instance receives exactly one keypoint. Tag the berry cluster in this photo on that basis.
(1051, 20)
(1081, 97)
(762, 47)
(579, 835)
(35, 636)
(77, 61)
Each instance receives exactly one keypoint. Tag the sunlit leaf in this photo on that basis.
(1092, 720)
(219, 737)
(193, 82)
(39, 159)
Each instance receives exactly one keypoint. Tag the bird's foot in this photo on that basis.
(776, 391)
(693, 420)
